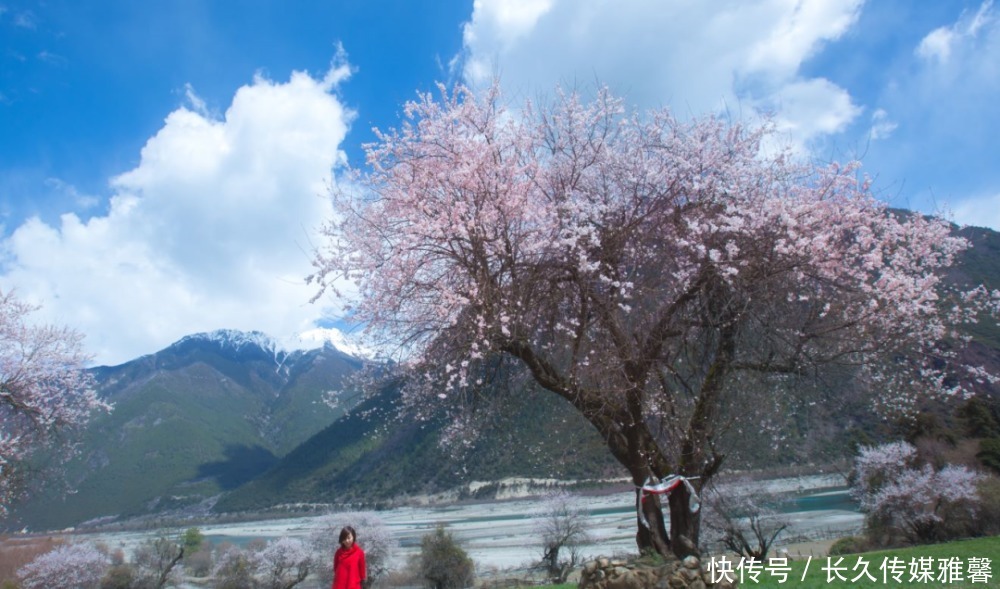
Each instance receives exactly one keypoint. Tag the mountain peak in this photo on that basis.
(235, 339)
(330, 337)
(312, 339)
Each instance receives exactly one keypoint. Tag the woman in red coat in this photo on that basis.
(349, 570)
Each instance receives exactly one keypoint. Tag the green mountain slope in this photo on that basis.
(371, 455)
(198, 418)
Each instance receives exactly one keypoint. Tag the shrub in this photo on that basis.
(192, 541)
(119, 576)
(850, 545)
(987, 522)
(989, 453)
(199, 564)
(442, 563)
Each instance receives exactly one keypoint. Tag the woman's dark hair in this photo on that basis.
(344, 533)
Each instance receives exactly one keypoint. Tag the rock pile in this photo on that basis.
(605, 573)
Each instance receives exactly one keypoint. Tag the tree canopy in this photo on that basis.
(44, 391)
(669, 278)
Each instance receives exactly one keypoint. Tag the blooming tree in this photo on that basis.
(233, 568)
(667, 278)
(155, 563)
(44, 391)
(70, 565)
(374, 536)
(282, 564)
(278, 564)
(901, 496)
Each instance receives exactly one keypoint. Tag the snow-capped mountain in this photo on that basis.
(199, 417)
(312, 339)
(329, 336)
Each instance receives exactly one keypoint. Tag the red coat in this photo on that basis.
(349, 568)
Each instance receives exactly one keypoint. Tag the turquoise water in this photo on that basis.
(837, 498)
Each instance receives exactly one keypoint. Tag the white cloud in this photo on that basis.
(882, 126)
(806, 110)
(979, 211)
(938, 45)
(942, 94)
(212, 229)
(68, 191)
(197, 102)
(794, 30)
(692, 56)
(504, 20)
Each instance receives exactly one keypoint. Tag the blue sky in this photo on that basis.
(163, 164)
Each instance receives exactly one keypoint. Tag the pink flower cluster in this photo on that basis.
(618, 258)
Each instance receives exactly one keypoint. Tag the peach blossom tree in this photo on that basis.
(902, 495)
(670, 279)
(71, 565)
(45, 393)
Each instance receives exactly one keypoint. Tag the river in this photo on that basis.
(504, 535)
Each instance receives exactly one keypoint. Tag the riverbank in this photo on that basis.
(503, 534)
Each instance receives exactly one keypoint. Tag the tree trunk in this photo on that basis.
(684, 524)
(651, 532)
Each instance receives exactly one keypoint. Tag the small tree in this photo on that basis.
(282, 564)
(233, 568)
(154, 563)
(279, 564)
(442, 563)
(44, 392)
(80, 566)
(744, 517)
(373, 536)
(197, 553)
(192, 540)
(907, 501)
(564, 530)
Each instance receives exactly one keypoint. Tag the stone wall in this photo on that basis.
(605, 573)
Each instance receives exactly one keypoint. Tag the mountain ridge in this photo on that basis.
(201, 416)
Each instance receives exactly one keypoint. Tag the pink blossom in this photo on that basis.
(484, 236)
(43, 389)
(72, 565)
